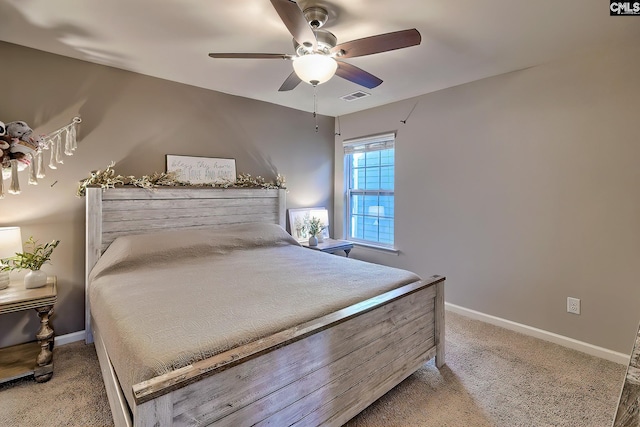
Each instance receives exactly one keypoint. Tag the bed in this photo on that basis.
(286, 336)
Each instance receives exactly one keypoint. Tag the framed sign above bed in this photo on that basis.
(202, 170)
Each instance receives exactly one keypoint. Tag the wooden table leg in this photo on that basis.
(44, 369)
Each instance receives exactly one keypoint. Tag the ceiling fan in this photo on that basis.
(318, 54)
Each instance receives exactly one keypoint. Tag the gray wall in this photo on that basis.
(135, 120)
(522, 189)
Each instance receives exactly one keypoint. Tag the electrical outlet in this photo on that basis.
(573, 305)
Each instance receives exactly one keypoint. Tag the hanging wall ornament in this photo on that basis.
(33, 167)
(14, 188)
(74, 135)
(59, 150)
(68, 143)
(40, 160)
(27, 149)
(52, 158)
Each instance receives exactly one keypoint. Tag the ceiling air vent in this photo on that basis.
(355, 95)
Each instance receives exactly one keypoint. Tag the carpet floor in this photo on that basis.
(493, 377)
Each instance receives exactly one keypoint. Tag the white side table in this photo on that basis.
(331, 246)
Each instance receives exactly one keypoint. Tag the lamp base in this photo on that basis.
(4, 280)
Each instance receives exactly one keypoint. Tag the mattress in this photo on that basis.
(163, 301)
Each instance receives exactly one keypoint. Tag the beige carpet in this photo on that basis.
(493, 377)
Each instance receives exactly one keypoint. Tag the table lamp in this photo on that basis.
(10, 244)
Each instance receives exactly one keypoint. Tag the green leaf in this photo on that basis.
(33, 258)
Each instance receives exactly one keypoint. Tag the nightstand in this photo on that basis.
(331, 246)
(33, 357)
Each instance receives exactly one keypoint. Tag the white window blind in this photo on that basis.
(374, 143)
(369, 172)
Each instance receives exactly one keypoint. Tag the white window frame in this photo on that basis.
(366, 144)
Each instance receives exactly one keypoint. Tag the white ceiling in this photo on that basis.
(462, 41)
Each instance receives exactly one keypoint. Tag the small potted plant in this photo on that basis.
(315, 229)
(33, 258)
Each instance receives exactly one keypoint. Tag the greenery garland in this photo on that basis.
(109, 179)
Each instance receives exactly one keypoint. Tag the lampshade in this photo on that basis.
(10, 241)
(315, 69)
(10, 244)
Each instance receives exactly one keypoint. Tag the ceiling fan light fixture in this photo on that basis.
(315, 69)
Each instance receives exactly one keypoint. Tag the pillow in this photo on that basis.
(163, 246)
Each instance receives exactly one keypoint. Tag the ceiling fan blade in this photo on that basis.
(377, 44)
(296, 23)
(357, 75)
(290, 83)
(251, 55)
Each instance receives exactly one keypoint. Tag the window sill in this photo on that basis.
(376, 248)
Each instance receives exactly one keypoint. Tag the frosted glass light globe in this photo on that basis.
(315, 69)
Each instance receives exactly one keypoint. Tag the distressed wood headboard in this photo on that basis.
(126, 211)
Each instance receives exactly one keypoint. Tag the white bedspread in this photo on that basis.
(166, 300)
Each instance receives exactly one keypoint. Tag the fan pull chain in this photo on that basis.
(315, 105)
(14, 188)
(33, 165)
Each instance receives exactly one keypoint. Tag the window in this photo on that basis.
(369, 172)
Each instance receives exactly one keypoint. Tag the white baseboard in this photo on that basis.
(69, 338)
(584, 347)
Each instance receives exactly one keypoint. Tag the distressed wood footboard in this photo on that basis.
(322, 372)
